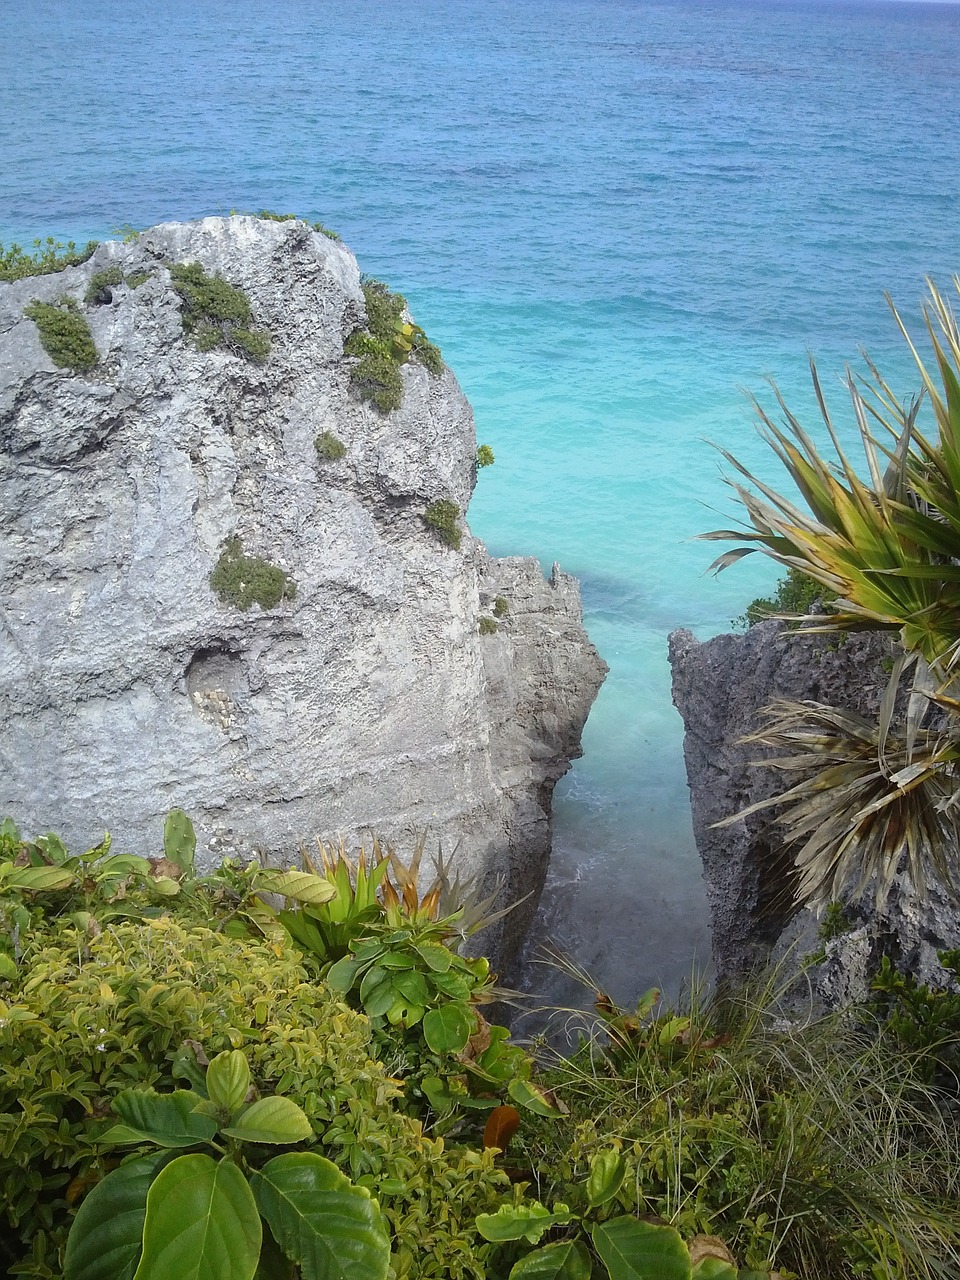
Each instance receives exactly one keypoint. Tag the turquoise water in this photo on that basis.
(614, 216)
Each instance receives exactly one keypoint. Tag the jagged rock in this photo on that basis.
(718, 687)
(368, 701)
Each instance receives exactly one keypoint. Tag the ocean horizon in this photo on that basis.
(618, 219)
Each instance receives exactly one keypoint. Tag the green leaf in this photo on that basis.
(202, 1223)
(277, 1120)
(567, 1261)
(717, 1269)
(521, 1222)
(633, 1250)
(187, 1067)
(607, 1172)
(526, 1094)
(169, 1120)
(300, 886)
(330, 1227)
(38, 878)
(436, 957)
(447, 1029)
(179, 840)
(228, 1079)
(343, 975)
(273, 1265)
(107, 1233)
(8, 968)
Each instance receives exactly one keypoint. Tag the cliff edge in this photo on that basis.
(364, 697)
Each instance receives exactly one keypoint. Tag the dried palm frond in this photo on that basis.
(870, 800)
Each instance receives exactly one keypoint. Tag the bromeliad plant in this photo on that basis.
(889, 548)
(626, 1247)
(230, 1215)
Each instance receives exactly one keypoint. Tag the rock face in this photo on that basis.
(369, 701)
(719, 687)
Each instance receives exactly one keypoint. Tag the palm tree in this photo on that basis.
(889, 547)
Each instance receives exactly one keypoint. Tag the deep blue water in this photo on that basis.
(613, 215)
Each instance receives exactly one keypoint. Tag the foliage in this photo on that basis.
(98, 1004)
(169, 1217)
(269, 216)
(923, 1019)
(443, 515)
(243, 580)
(487, 626)
(137, 278)
(627, 1247)
(795, 596)
(48, 257)
(217, 314)
(485, 456)
(501, 607)
(386, 343)
(100, 284)
(330, 448)
(890, 550)
(811, 1147)
(64, 333)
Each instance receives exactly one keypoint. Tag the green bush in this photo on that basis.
(64, 334)
(487, 626)
(243, 580)
(106, 279)
(330, 448)
(137, 278)
(485, 456)
(796, 594)
(217, 314)
(49, 256)
(443, 515)
(501, 607)
(384, 345)
(812, 1148)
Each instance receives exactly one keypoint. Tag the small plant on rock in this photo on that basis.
(64, 334)
(386, 343)
(217, 314)
(243, 580)
(330, 448)
(487, 626)
(485, 456)
(48, 257)
(100, 286)
(501, 607)
(443, 515)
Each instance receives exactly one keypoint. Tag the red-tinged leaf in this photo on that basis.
(502, 1124)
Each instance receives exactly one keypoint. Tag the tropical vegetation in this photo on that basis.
(872, 798)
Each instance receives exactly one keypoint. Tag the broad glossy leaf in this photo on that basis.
(447, 1029)
(540, 1101)
(521, 1222)
(277, 1120)
(168, 1119)
(607, 1172)
(301, 886)
(436, 957)
(343, 975)
(380, 997)
(634, 1250)
(38, 878)
(202, 1223)
(332, 1229)
(567, 1261)
(107, 1234)
(228, 1079)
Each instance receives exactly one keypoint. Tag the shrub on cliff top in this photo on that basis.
(64, 333)
(217, 314)
(48, 257)
(386, 343)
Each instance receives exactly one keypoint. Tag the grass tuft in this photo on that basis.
(243, 580)
(64, 333)
(217, 314)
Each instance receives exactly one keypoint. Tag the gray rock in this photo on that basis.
(370, 701)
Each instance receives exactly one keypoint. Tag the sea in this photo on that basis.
(619, 219)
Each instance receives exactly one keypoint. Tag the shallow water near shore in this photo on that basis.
(614, 216)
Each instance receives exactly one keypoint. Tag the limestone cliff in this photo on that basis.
(368, 700)
(719, 686)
